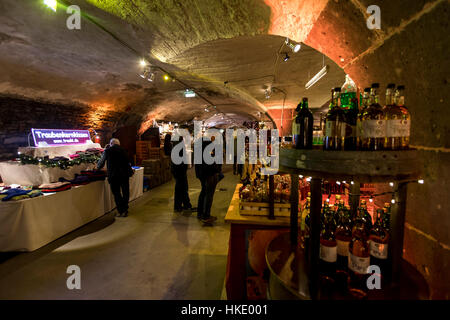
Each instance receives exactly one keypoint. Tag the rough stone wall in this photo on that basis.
(18, 116)
(411, 49)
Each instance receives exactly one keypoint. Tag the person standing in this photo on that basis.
(179, 172)
(209, 176)
(119, 172)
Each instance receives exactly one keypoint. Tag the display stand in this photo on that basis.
(358, 167)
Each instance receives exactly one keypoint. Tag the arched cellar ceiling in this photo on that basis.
(202, 42)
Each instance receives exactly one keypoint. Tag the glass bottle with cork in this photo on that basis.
(358, 257)
(349, 103)
(360, 142)
(334, 123)
(304, 126)
(373, 122)
(398, 122)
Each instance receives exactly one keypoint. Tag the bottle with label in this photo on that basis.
(328, 246)
(398, 122)
(373, 122)
(387, 216)
(365, 99)
(378, 241)
(334, 122)
(366, 216)
(305, 212)
(343, 237)
(349, 103)
(295, 124)
(304, 126)
(358, 257)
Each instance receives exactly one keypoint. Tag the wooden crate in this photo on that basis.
(262, 209)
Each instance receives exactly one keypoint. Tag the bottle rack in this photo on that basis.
(358, 167)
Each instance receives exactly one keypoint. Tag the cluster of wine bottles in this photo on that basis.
(372, 126)
(350, 244)
(347, 127)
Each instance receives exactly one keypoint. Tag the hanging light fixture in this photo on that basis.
(295, 47)
(286, 57)
(268, 93)
(52, 4)
(317, 77)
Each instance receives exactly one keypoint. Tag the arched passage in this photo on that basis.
(86, 76)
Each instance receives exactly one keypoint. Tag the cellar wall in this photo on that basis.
(410, 51)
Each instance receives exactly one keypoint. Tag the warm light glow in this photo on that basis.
(370, 200)
(166, 77)
(393, 201)
(421, 181)
(391, 184)
(143, 63)
(52, 4)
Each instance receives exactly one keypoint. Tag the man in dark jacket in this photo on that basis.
(179, 172)
(119, 172)
(208, 174)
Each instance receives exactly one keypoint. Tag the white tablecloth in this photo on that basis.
(56, 151)
(35, 175)
(29, 224)
(136, 189)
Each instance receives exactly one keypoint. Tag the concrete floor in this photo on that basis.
(152, 254)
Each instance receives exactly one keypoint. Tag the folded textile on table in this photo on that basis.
(55, 187)
(94, 150)
(94, 175)
(77, 181)
(13, 193)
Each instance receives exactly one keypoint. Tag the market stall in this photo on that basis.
(45, 197)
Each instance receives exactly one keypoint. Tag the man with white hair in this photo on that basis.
(119, 173)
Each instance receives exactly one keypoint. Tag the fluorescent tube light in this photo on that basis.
(317, 77)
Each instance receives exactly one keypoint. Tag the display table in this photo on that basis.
(57, 151)
(240, 224)
(136, 189)
(29, 224)
(13, 172)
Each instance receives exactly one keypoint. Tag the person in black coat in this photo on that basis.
(179, 172)
(209, 175)
(119, 172)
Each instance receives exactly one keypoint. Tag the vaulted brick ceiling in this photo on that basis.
(222, 49)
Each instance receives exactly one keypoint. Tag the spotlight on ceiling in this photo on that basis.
(143, 63)
(189, 93)
(152, 77)
(294, 47)
(144, 73)
(166, 77)
(52, 4)
(317, 77)
(286, 57)
(268, 93)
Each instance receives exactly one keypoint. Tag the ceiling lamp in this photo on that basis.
(144, 74)
(268, 93)
(295, 47)
(143, 63)
(52, 4)
(286, 57)
(189, 93)
(317, 77)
